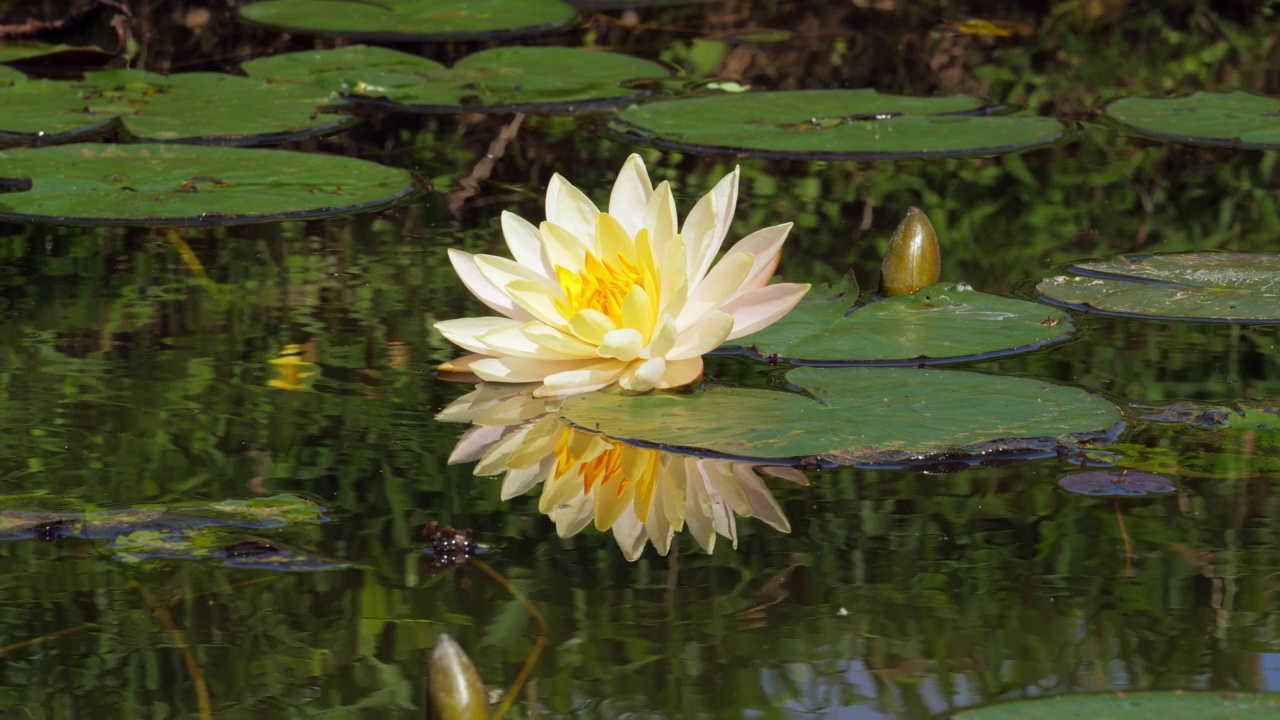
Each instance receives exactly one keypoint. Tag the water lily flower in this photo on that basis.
(592, 299)
(641, 495)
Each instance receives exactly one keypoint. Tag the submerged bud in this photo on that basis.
(456, 691)
(913, 259)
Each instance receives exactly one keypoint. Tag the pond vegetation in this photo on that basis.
(1013, 458)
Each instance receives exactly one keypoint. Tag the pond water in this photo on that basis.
(273, 387)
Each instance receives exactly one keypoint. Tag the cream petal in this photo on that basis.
(658, 526)
(681, 372)
(698, 510)
(717, 288)
(630, 195)
(766, 246)
(573, 516)
(707, 334)
(538, 302)
(612, 239)
(474, 443)
(563, 248)
(675, 479)
(623, 344)
(522, 370)
(664, 338)
(643, 376)
(514, 341)
(590, 326)
(758, 309)
(569, 208)
(660, 217)
(519, 481)
(630, 535)
(467, 332)
(720, 475)
(701, 256)
(553, 342)
(587, 377)
(465, 265)
(673, 276)
(561, 491)
(637, 312)
(502, 272)
(525, 243)
(460, 364)
(514, 410)
(790, 474)
(764, 506)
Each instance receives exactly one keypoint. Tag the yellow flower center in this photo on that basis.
(625, 475)
(600, 286)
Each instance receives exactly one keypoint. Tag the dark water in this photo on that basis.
(127, 381)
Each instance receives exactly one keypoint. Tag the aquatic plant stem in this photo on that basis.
(161, 611)
(538, 644)
(1124, 535)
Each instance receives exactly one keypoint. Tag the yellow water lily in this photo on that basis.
(641, 495)
(626, 296)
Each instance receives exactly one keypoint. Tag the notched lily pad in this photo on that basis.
(501, 79)
(1226, 287)
(845, 124)
(1235, 119)
(946, 322)
(1163, 705)
(1116, 482)
(410, 20)
(203, 108)
(93, 184)
(864, 416)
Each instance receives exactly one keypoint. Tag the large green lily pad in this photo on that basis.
(408, 20)
(1230, 287)
(17, 51)
(851, 415)
(188, 185)
(946, 322)
(1236, 119)
(1168, 705)
(210, 108)
(496, 80)
(834, 124)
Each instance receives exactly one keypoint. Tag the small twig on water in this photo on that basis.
(161, 611)
(1124, 535)
(471, 183)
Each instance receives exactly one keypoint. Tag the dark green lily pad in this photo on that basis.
(497, 80)
(206, 108)
(946, 322)
(847, 124)
(1214, 417)
(15, 51)
(93, 184)
(1236, 119)
(410, 20)
(1168, 705)
(850, 415)
(1227, 287)
(1118, 482)
(211, 544)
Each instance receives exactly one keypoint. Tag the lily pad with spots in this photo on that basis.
(946, 322)
(91, 184)
(1235, 119)
(410, 20)
(204, 108)
(497, 80)
(847, 124)
(865, 416)
(1213, 286)
(1163, 705)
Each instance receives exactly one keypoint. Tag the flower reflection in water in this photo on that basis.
(643, 495)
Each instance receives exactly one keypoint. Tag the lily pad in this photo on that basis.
(1168, 705)
(17, 51)
(1227, 287)
(1118, 482)
(946, 322)
(205, 108)
(1236, 119)
(850, 415)
(93, 184)
(501, 79)
(1214, 417)
(410, 20)
(847, 124)
(149, 546)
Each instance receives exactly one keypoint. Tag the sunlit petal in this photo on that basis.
(465, 265)
(758, 309)
(766, 246)
(466, 332)
(569, 208)
(709, 333)
(525, 243)
(631, 193)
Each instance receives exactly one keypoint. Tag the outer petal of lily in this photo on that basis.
(660, 218)
(583, 378)
(520, 370)
(569, 208)
(766, 246)
(475, 442)
(629, 533)
(525, 243)
(465, 265)
(501, 272)
(466, 332)
(552, 342)
(658, 526)
(680, 373)
(758, 309)
(631, 193)
(521, 480)
(573, 515)
(764, 506)
(698, 509)
(641, 377)
(725, 197)
(707, 334)
(718, 287)
(461, 364)
(510, 338)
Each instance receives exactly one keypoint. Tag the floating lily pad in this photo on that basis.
(835, 124)
(945, 322)
(1236, 119)
(206, 108)
(189, 185)
(850, 415)
(496, 80)
(1229, 287)
(14, 51)
(1213, 417)
(1116, 482)
(409, 20)
(148, 546)
(1171, 705)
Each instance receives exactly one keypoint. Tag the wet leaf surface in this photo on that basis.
(406, 20)
(1174, 705)
(1235, 119)
(1117, 482)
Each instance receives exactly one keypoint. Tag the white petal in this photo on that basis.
(707, 334)
(569, 208)
(525, 243)
(623, 344)
(701, 255)
(630, 535)
(516, 341)
(466, 332)
(475, 442)
(631, 193)
(502, 272)
(680, 373)
(581, 379)
(644, 376)
(764, 506)
(555, 342)
(465, 265)
(536, 300)
(521, 480)
(766, 246)
(571, 517)
(522, 370)
(758, 309)
(717, 288)
(660, 218)
(590, 326)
